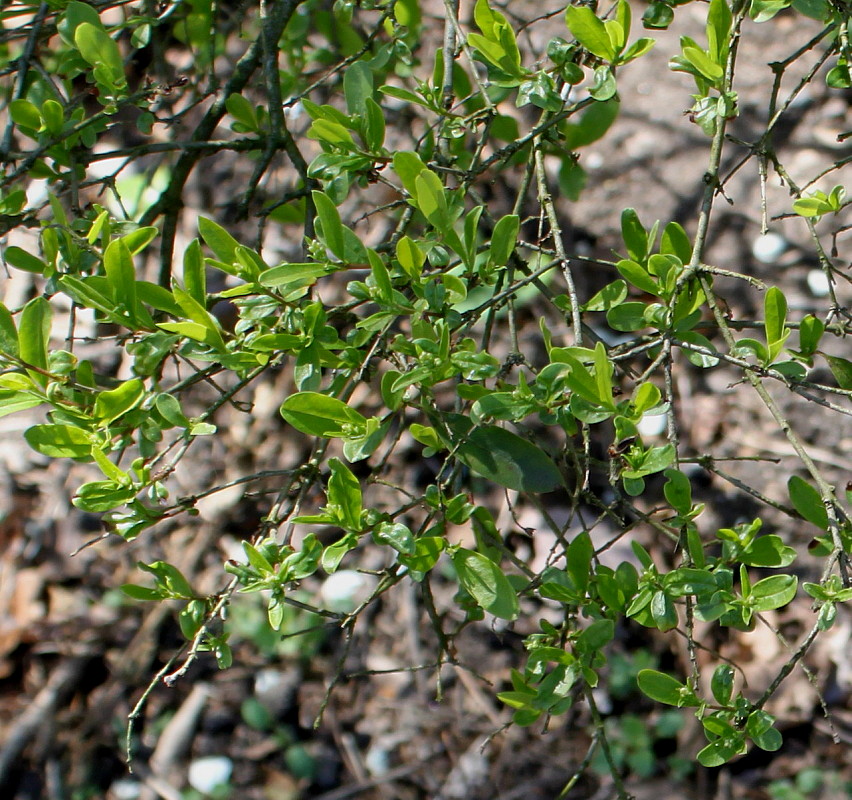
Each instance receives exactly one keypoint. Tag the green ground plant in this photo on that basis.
(412, 135)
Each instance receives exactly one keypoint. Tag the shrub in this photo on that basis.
(407, 197)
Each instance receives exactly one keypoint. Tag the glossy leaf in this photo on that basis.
(21, 259)
(773, 592)
(321, 415)
(344, 492)
(218, 240)
(331, 232)
(841, 368)
(508, 460)
(807, 501)
(8, 333)
(99, 49)
(357, 86)
(485, 582)
(114, 403)
(101, 496)
(504, 238)
(590, 32)
(397, 536)
(665, 689)
(722, 684)
(34, 335)
(59, 441)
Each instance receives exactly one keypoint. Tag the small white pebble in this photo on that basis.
(769, 247)
(345, 590)
(818, 283)
(602, 700)
(268, 680)
(653, 424)
(377, 760)
(205, 774)
(125, 789)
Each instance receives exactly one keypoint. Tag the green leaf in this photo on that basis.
(635, 236)
(663, 611)
(74, 14)
(344, 492)
(676, 242)
(775, 316)
(25, 114)
(431, 199)
(841, 368)
(678, 491)
(112, 404)
(221, 242)
(605, 86)
(54, 117)
(612, 295)
(408, 166)
(170, 578)
(242, 111)
(768, 551)
(638, 276)
(427, 551)
(101, 496)
(21, 259)
(486, 19)
(321, 415)
(374, 126)
(594, 638)
(292, 275)
(139, 239)
(484, 581)
(811, 330)
(426, 434)
(811, 206)
(33, 336)
(334, 553)
(59, 441)
(397, 536)
(594, 122)
(773, 592)
(759, 726)
(11, 401)
(590, 32)
(100, 50)
(507, 459)
(807, 501)
(411, 258)
(87, 292)
(118, 265)
(722, 684)
(702, 359)
(332, 133)
(578, 560)
(331, 233)
(719, 20)
(603, 376)
(666, 689)
(722, 750)
(140, 592)
(646, 396)
(194, 272)
(579, 379)
(357, 87)
(703, 63)
(8, 333)
(637, 49)
(504, 238)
